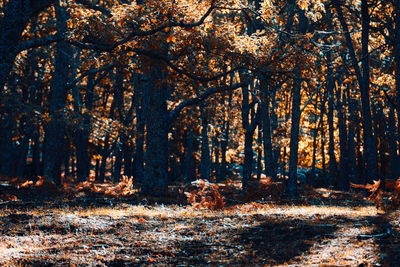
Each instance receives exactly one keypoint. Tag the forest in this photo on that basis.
(199, 132)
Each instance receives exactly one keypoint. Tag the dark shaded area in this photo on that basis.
(277, 243)
(389, 243)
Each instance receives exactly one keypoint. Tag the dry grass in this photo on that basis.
(249, 234)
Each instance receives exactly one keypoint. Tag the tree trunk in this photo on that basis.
(55, 128)
(189, 158)
(205, 161)
(291, 188)
(351, 150)
(370, 151)
(139, 136)
(331, 150)
(269, 159)
(393, 157)
(82, 134)
(157, 126)
(225, 140)
(396, 52)
(249, 122)
(16, 16)
(343, 181)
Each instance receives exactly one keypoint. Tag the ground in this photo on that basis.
(329, 231)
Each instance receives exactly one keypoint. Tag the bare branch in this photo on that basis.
(95, 7)
(39, 42)
(209, 92)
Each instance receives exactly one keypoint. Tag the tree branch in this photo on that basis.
(209, 92)
(39, 42)
(95, 7)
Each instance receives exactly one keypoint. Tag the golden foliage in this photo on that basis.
(378, 196)
(206, 196)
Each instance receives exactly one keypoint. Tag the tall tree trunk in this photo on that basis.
(291, 188)
(396, 53)
(393, 157)
(370, 151)
(82, 134)
(343, 180)
(322, 130)
(139, 137)
(225, 140)
(259, 152)
(188, 172)
(205, 161)
(269, 159)
(157, 126)
(331, 150)
(351, 151)
(55, 128)
(249, 122)
(16, 16)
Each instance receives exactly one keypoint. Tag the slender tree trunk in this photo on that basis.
(291, 188)
(189, 157)
(205, 161)
(225, 140)
(249, 122)
(139, 136)
(82, 134)
(259, 152)
(104, 156)
(118, 160)
(370, 151)
(269, 159)
(352, 160)
(393, 157)
(322, 130)
(396, 53)
(343, 180)
(331, 150)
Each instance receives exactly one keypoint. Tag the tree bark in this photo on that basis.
(269, 159)
(370, 151)
(331, 150)
(205, 161)
(55, 128)
(157, 128)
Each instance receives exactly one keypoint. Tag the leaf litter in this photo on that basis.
(256, 233)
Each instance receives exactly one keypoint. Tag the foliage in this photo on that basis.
(206, 195)
(387, 200)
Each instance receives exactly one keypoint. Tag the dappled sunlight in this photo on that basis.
(252, 233)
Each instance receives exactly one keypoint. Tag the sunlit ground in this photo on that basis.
(254, 234)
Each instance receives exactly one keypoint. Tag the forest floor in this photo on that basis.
(329, 229)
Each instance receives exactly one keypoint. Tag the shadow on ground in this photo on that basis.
(389, 244)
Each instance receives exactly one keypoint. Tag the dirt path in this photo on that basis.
(252, 234)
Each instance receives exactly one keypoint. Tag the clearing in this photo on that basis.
(99, 232)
